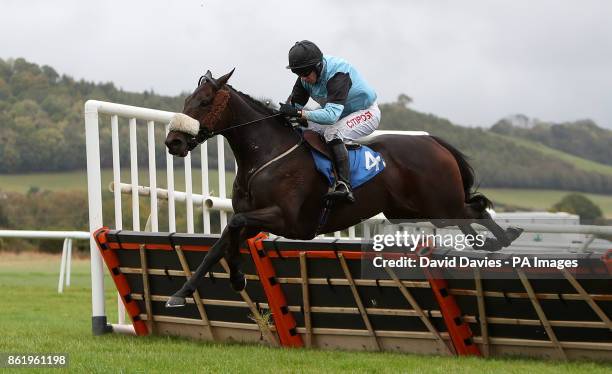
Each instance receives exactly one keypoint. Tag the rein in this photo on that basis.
(205, 134)
(244, 124)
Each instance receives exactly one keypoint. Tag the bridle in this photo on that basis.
(204, 133)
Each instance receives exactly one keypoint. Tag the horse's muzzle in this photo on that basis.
(177, 143)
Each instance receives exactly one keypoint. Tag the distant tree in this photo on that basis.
(579, 204)
(4, 220)
(404, 100)
(20, 65)
(5, 69)
(5, 90)
(50, 73)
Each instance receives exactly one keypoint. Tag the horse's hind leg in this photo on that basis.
(489, 244)
(483, 218)
(505, 237)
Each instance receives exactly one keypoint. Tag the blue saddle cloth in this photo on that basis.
(364, 163)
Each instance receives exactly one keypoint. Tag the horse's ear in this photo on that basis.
(223, 80)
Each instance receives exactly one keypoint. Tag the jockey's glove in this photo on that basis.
(289, 110)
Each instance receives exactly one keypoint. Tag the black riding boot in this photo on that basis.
(340, 158)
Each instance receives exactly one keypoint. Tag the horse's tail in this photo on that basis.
(476, 200)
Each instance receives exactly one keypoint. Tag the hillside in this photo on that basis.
(581, 138)
(41, 130)
(41, 116)
(578, 162)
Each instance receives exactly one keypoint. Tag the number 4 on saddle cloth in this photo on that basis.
(364, 162)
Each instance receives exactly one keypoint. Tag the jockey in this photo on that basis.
(348, 105)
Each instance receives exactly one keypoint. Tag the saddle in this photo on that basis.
(316, 142)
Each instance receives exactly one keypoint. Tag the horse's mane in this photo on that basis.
(258, 105)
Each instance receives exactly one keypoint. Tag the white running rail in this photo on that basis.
(67, 236)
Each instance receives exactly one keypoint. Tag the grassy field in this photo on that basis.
(542, 199)
(34, 318)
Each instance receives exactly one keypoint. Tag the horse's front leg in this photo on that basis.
(234, 260)
(261, 219)
(215, 253)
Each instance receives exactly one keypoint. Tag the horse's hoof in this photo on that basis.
(239, 286)
(238, 283)
(490, 245)
(175, 302)
(512, 233)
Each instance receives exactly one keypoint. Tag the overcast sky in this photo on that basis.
(472, 62)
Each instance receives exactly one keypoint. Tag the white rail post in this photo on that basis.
(170, 185)
(94, 191)
(117, 197)
(60, 284)
(116, 171)
(68, 262)
(135, 199)
(152, 175)
(189, 193)
(134, 176)
(205, 186)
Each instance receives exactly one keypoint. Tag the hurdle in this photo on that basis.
(312, 293)
(317, 298)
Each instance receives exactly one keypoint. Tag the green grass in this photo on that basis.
(578, 162)
(77, 180)
(542, 199)
(34, 318)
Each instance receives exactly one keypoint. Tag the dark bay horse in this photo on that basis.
(425, 179)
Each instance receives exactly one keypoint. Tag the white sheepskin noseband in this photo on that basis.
(183, 123)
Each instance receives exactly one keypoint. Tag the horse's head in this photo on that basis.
(205, 112)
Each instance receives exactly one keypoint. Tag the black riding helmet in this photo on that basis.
(305, 57)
